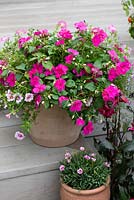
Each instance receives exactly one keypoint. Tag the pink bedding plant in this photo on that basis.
(84, 71)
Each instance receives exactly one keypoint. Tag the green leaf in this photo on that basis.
(21, 66)
(87, 69)
(50, 78)
(128, 146)
(132, 1)
(90, 86)
(70, 83)
(31, 49)
(19, 76)
(98, 64)
(46, 104)
(55, 97)
(47, 65)
(5, 72)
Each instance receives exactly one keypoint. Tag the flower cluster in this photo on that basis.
(84, 170)
(81, 71)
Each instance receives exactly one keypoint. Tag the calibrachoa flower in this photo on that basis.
(29, 97)
(19, 135)
(80, 171)
(19, 98)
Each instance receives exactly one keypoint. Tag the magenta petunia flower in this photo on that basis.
(88, 129)
(60, 70)
(110, 93)
(76, 106)
(11, 79)
(81, 26)
(80, 122)
(60, 84)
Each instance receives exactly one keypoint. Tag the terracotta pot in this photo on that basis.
(54, 128)
(100, 193)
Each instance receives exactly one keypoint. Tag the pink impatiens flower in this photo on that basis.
(11, 79)
(38, 99)
(110, 93)
(62, 98)
(60, 70)
(41, 33)
(60, 84)
(76, 106)
(113, 55)
(23, 40)
(112, 74)
(59, 42)
(34, 81)
(65, 34)
(99, 36)
(73, 51)
(19, 135)
(88, 129)
(81, 26)
(123, 67)
(112, 28)
(39, 88)
(38, 68)
(69, 59)
(80, 122)
(62, 24)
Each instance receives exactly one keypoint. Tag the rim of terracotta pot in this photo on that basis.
(86, 192)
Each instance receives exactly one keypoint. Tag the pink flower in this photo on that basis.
(76, 106)
(38, 99)
(21, 31)
(62, 98)
(11, 79)
(81, 26)
(69, 59)
(65, 34)
(112, 74)
(8, 116)
(19, 98)
(10, 96)
(113, 55)
(62, 24)
(87, 157)
(48, 72)
(123, 67)
(3, 62)
(88, 129)
(81, 73)
(99, 36)
(62, 168)
(110, 93)
(68, 155)
(131, 128)
(60, 70)
(29, 97)
(41, 33)
(19, 135)
(38, 68)
(34, 81)
(23, 40)
(82, 148)
(59, 42)
(80, 171)
(39, 88)
(60, 84)
(106, 164)
(4, 39)
(80, 122)
(32, 72)
(112, 28)
(73, 51)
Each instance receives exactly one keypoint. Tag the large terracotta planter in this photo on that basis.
(101, 193)
(54, 128)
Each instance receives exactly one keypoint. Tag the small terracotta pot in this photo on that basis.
(54, 128)
(100, 193)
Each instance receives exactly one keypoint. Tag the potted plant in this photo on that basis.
(84, 176)
(62, 72)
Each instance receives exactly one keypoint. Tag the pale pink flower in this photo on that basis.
(110, 93)
(60, 84)
(68, 155)
(76, 106)
(93, 154)
(4, 39)
(88, 129)
(113, 55)
(29, 97)
(93, 159)
(62, 168)
(82, 148)
(19, 98)
(10, 96)
(81, 26)
(112, 28)
(80, 171)
(80, 122)
(62, 24)
(21, 31)
(106, 164)
(87, 157)
(8, 116)
(19, 135)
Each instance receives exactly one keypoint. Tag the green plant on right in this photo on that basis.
(128, 7)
